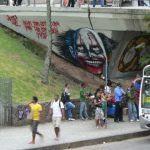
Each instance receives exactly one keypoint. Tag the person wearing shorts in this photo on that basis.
(36, 110)
(57, 114)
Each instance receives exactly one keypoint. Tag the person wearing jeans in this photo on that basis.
(132, 113)
(68, 104)
(83, 103)
(69, 107)
(101, 2)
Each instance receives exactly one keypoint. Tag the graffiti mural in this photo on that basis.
(37, 26)
(85, 48)
(22, 111)
(131, 58)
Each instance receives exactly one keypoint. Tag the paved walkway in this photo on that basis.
(13, 138)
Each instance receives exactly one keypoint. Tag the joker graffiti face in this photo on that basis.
(85, 48)
(89, 51)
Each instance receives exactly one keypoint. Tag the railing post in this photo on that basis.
(34, 3)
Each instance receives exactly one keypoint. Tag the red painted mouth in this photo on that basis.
(94, 65)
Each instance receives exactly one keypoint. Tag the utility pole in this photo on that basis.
(48, 57)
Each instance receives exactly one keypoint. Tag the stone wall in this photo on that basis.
(19, 113)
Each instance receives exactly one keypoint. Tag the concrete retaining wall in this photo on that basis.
(19, 113)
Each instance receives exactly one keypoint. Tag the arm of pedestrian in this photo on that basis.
(27, 105)
(96, 103)
(41, 115)
(49, 117)
(63, 113)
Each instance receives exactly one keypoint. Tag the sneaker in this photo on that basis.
(57, 139)
(137, 120)
(131, 120)
(69, 119)
(82, 118)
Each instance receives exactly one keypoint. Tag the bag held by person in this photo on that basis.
(29, 116)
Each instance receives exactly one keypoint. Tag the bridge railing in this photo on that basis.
(113, 3)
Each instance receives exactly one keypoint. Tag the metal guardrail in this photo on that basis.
(115, 3)
(5, 101)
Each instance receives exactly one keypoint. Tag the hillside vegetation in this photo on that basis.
(25, 68)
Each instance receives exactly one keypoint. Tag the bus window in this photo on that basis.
(147, 87)
(146, 93)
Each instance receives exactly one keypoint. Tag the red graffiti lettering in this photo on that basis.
(13, 20)
(27, 25)
(54, 30)
(55, 24)
(40, 29)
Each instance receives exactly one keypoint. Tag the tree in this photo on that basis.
(47, 63)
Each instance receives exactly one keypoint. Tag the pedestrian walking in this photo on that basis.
(83, 102)
(56, 112)
(35, 114)
(118, 93)
(68, 104)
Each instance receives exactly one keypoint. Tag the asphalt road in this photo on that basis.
(133, 144)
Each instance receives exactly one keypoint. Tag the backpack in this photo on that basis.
(63, 98)
(59, 103)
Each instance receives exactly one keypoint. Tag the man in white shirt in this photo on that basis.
(56, 113)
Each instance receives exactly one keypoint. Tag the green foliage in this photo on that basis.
(24, 67)
(144, 60)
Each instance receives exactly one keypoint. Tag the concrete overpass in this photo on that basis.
(109, 18)
(120, 24)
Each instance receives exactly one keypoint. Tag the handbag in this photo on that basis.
(29, 116)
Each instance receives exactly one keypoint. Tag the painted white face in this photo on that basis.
(90, 50)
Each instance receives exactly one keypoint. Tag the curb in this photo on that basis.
(89, 142)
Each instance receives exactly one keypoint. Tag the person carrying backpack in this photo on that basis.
(56, 112)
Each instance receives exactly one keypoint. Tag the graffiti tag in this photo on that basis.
(13, 20)
(40, 27)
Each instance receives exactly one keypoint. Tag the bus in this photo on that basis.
(144, 99)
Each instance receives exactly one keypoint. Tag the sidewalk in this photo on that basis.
(73, 134)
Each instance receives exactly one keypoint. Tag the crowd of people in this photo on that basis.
(91, 105)
(78, 3)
